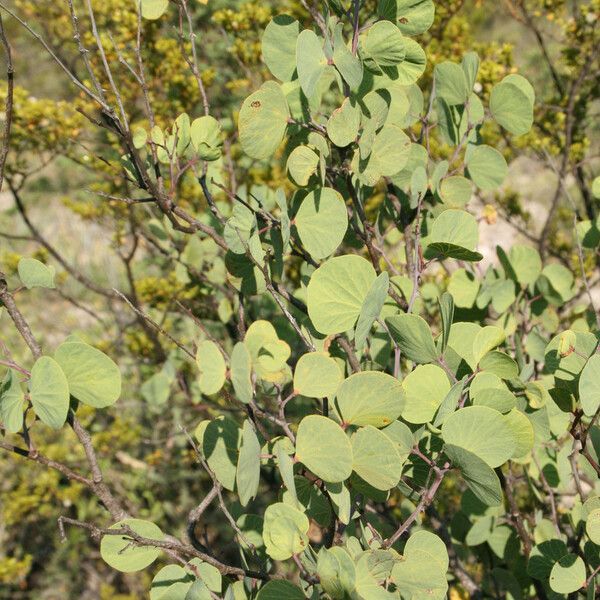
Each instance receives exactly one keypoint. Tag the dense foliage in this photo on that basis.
(273, 341)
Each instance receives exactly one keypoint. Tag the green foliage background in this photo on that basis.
(70, 201)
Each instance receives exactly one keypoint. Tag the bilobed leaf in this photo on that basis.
(371, 309)
(156, 389)
(248, 465)
(310, 61)
(375, 458)
(418, 577)
(431, 544)
(284, 531)
(211, 366)
(425, 388)
(279, 46)
(11, 402)
(34, 273)
(322, 221)
(206, 138)
(480, 478)
(93, 377)
(123, 555)
(486, 167)
(454, 234)
(263, 121)
(589, 386)
(324, 448)
(49, 392)
(317, 375)
(413, 336)
(482, 431)
(153, 9)
(336, 292)
(369, 398)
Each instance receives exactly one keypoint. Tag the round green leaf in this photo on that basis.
(49, 392)
(425, 387)
(376, 459)
(206, 138)
(34, 273)
(93, 377)
(263, 121)
(522, 430)
(317, 375)
(486, 167)
(284, 531)
(482, 431)
(525, 263)
(310, 61)
(464, 287)
(430, 543)
(589, 386)
(336, 292)
(487, 339)
(418, 579)
(511, 104)
(369, 398)
(153, 9)
(302, 164)
(343, 124)
(455, 191)
(451, 83)
(568, 574)
(383, 45)
(280, 590)
(454, 234)
(322, 221)
(171, 583)
(11, 402)
(500, 364)
(211, 366)
(279, 46)
(413, 16)
(592, 526)
(324, 448)
(122, 554)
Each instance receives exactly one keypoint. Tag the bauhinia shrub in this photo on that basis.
(395, 418)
